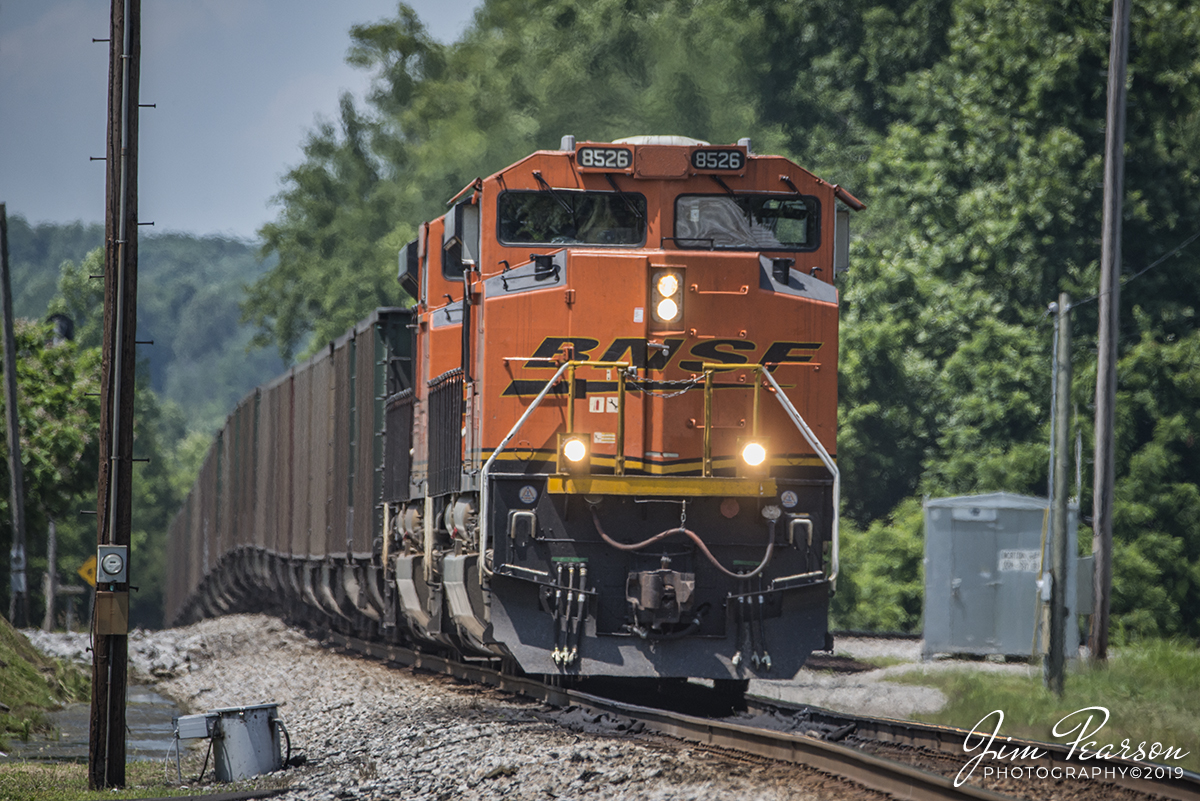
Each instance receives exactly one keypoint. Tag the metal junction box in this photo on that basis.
(985, 556)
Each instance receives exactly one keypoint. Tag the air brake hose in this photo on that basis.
(637, 546)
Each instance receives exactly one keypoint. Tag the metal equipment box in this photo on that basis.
(985, 559)
(246, 742)
(191, 727)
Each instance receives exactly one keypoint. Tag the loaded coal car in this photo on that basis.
(601, 442)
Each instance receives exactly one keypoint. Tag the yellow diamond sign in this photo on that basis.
(88, 571)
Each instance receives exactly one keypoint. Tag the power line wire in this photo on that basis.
(1146, 269)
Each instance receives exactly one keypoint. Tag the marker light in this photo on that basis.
(754, 454)
(667, 310)
(668, 285)
(574, 449)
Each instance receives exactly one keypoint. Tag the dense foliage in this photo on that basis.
(57, 412)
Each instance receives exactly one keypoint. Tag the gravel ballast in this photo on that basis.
(369, 731)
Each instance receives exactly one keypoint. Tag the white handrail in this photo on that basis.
(485, 490)
(825, 457)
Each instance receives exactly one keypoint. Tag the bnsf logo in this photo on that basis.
(633, 349)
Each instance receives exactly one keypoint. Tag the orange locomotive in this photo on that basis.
(602, 442)
(625, 386)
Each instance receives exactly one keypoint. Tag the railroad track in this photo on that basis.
(898, 780)
(796, 746)
(949, 741)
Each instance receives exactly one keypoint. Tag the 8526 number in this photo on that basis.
(718, 160)
(610, 158)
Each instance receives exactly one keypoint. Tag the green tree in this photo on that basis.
(881, 581)
(57, 413)
(159, 426)
(989, 181)
(35, 253)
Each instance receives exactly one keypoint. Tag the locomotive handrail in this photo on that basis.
(786, 403)
(709, 369)
(796, 418)
(619, 458)
(487, 467)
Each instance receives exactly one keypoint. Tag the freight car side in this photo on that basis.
(284, 514)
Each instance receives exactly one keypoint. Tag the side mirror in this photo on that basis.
(460, 243)
(841, 240)
(409, 265)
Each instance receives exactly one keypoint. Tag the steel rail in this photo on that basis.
(950, 740)
(873, 772)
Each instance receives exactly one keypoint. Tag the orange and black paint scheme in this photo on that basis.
(618, 436)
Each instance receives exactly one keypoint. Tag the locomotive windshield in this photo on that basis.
(746, 222)
(571, 218)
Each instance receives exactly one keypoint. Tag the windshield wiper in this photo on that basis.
(723, 185)
(538, 175)
(628, 203)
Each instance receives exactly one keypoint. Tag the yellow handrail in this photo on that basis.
(619, 463)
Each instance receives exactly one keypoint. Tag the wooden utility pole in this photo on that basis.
(1110, 306)
(106, 747)
(18, 605)
(1056, 658)
(51, 582)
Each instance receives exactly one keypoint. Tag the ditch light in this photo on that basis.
(573, 453)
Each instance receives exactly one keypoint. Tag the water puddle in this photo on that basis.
(147, 718)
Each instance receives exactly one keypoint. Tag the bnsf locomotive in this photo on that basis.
(601, 442)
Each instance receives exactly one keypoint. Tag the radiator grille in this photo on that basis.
(397, 466)
(445, 432)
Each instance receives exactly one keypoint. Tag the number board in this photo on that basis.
(722, 160)
(604, 158)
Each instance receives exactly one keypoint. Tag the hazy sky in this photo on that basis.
(237, 84)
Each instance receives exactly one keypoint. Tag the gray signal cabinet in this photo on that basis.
(985, 557)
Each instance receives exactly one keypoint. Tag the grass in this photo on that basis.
(1151, 690)
(67, 781)
(31, 684)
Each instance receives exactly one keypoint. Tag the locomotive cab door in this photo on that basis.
(460, 257)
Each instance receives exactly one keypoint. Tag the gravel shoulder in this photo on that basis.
(869, 692)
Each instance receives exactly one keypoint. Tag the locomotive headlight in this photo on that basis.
(753, 454)
(666, 298)
(667, 310)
